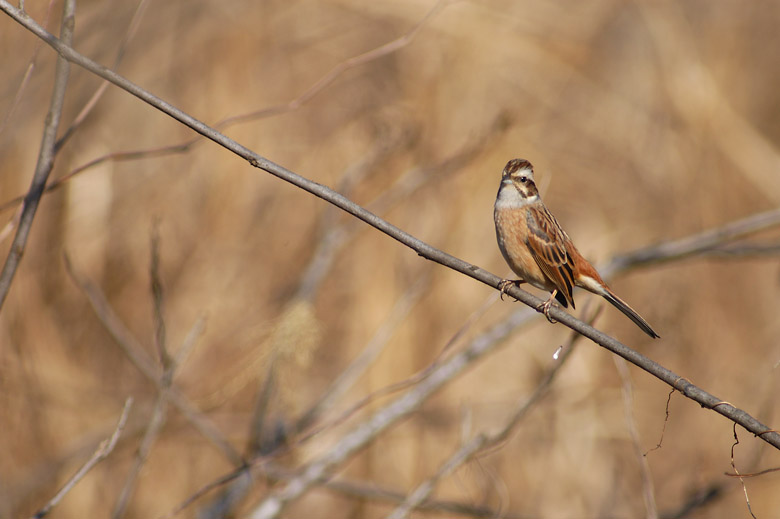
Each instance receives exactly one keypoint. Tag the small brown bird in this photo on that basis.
(539, 251)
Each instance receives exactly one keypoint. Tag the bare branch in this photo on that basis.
(159, 413)
(734, 466)
(103, 450)
(150, 436)
(189, 341)
(158, 298)
(703, 242)
(45, 155)
(752, 474)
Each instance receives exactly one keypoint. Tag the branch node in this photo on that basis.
(679, 379)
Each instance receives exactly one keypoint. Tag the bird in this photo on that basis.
(538, 250)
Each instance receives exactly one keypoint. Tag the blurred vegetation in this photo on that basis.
(646, 122)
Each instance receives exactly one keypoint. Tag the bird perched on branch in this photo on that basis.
(539, 251)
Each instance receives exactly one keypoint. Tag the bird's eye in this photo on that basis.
(523, 179)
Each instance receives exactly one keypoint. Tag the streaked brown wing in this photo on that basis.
(547, 243)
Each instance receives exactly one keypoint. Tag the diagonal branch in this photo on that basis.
(711, 240)
(423, 249)
(45, 155)
(104, 449)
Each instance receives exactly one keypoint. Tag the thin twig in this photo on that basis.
(118, 156)
(150, 436)
(45, 155)
(189, 341)
(103, 450)
(168, 366)
(663, 428)
(12, 223)
(158, 299)
(734, 466)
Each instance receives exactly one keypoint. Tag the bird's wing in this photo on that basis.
(547, 242)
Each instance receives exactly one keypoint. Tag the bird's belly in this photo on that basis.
(512, 242)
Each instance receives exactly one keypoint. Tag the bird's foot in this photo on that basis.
(504, 285)
(545, 308)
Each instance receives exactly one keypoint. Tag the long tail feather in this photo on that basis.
(630, 313)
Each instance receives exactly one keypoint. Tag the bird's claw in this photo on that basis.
(545, 309)
(504, 285)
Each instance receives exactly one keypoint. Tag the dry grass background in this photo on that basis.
(646, 122)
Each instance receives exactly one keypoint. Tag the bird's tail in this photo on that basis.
(621, 305)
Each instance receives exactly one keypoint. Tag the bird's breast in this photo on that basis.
(512, 236)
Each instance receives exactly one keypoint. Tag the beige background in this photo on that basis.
(646, 122)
